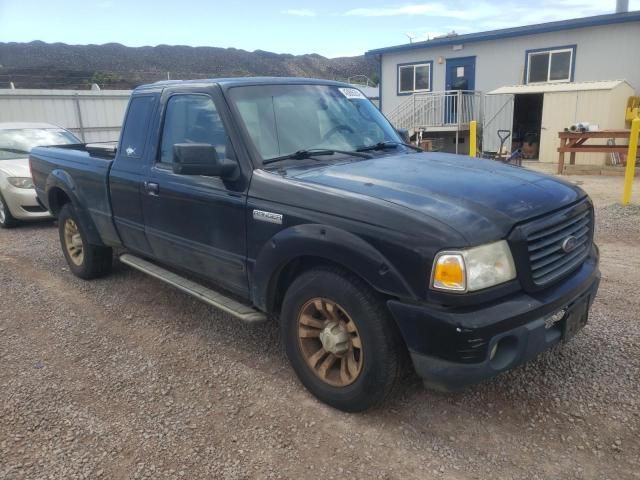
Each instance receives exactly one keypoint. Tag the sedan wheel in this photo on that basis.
(3, 215)
(6, 219)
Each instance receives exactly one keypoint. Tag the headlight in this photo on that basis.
(473, 269)
(21, 182)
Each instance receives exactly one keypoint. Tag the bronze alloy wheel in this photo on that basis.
(73, 242)
(330, 342)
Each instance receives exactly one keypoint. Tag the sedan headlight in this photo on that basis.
(21, 182)
(460, 271)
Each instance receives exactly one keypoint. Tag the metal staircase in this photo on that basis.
(449, 110)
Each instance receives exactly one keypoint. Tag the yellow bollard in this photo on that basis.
(473, 148)
(631, 161)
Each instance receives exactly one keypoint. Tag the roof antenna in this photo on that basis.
(410, 36)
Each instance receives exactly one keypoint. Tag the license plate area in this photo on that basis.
(576, 318)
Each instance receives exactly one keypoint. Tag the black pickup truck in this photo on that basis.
(296, 200)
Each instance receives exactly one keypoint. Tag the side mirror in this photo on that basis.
(201, 159)
(404, 134)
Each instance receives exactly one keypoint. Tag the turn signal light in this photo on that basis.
(449, 273)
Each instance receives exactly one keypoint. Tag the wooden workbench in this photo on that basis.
(574, 142)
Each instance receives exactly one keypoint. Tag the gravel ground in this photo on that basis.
(125, 377)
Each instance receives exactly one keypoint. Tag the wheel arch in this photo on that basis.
(60, 189)
(297, 249)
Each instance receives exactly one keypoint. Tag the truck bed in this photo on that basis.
(84, 166)
(103, 150)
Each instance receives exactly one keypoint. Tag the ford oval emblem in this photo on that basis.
(569, 244)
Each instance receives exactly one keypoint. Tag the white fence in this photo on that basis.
(93, 115)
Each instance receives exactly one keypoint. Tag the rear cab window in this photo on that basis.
(134, 134)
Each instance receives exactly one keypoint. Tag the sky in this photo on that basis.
(332, 28)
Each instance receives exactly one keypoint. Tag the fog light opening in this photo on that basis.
(503, 352)
(492, 354)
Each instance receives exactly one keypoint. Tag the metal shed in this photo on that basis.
(93, 115)
(599, 103)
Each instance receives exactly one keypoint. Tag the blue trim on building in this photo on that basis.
(573, 47)
(607, 19)
(424, 62)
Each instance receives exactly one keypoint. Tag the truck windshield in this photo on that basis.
(18, 142)
(284, 119)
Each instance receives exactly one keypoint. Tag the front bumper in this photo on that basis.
(452, 347)
(23, 203)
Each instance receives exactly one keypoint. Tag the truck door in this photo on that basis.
(128, 173)
(195, 223)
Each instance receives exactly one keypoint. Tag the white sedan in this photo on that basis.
(18, 200)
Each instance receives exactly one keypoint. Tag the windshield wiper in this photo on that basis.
(14, 150)
(387, 145)
(313, 152)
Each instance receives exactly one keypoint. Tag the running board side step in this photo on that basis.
(241, 311)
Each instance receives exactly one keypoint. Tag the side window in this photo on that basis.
(193, 119)
(553, 65)
(414, 78)
(136, 126)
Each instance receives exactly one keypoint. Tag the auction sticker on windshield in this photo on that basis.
(351, 93)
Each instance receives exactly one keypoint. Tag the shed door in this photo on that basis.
(558, 112)
(498, 115)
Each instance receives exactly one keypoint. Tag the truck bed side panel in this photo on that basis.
(84, 179)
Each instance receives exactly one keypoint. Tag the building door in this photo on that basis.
(558, 112)
(460, 75)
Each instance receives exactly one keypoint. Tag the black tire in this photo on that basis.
(382, 351)
(6, 219)
(95, 260)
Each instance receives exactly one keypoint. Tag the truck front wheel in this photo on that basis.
(340, 339)
(85, 260)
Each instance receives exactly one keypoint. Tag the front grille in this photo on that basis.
(548, 260)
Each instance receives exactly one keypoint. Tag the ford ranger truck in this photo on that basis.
(296, 200)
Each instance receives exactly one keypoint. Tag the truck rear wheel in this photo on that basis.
(85, 260)
(340, 339)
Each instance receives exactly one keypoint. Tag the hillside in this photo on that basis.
(42, 65)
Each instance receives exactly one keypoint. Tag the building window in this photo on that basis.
(414, 78)
(552, 65)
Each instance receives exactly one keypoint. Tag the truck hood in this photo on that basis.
(15, 168)
(480, 199)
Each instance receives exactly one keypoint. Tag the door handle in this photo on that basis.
(152, 188)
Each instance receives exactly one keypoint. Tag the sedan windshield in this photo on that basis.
(17, 143)
(284, 119)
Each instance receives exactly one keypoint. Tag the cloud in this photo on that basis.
(494, 13)
(430, 18)
(299, 12)
(417, 9)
